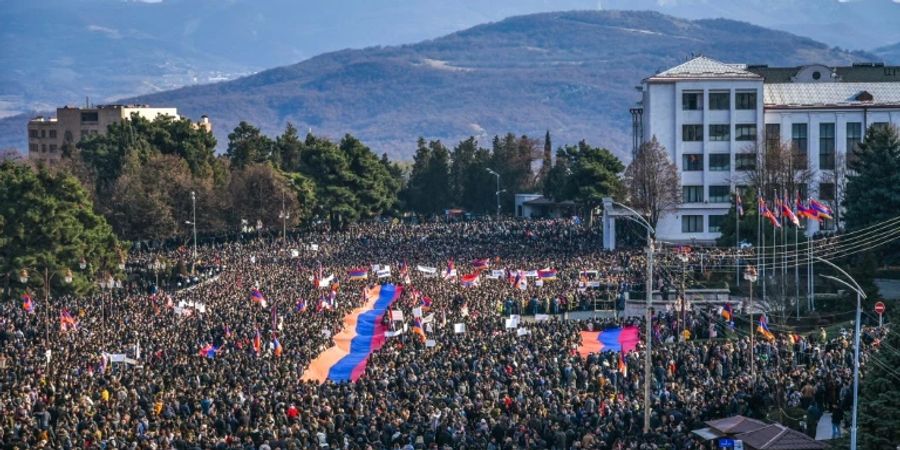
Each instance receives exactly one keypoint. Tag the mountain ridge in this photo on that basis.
(571, 72)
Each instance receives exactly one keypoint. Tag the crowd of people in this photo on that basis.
(204, 362)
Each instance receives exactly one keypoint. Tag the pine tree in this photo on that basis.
(873, 187)
(879, 396)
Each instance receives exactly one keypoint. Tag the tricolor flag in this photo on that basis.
(615, 339)
(788, 214)
(469, 280)
(451, 272)
(258, 297)
(521, 281)
(768, 215)
(623, 368)
(257, 343)
(547, 274)
(358, 274)
(820, 209)
(425, 302)
(727, 312)
(276, 345)
(763, 328)
(738, 205)
(300, 306)
(418, 329)
(481, 264)
(27, 304)
(209, 351)
(804, 211)
(66, 321)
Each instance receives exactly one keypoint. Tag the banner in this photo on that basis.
(497, 274)
(609, 340)
(459, 328)
(531, 273)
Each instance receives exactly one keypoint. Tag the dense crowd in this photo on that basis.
(194, 376)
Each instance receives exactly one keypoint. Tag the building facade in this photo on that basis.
(712, 118)
(47, 135)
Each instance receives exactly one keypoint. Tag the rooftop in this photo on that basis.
(705, 67)
(832, 94)
(735, 424)
(778, 437)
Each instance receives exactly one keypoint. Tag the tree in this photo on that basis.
(556, 184)
(247, 145)
(584, 174)
(323, 163)
(780, 171)
(546, 162)
(257, 193)
(512, 160)
(879, 396)
(287, 149)
(372, 181)
(428, 190)
(461, 165)
(48, 227)
(652, 181)
(873, 186)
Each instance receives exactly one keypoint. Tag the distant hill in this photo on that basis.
(570, 72)
(888, 52)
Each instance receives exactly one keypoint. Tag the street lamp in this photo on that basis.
(67, 279)
(751, 276)
(639, 219)
(284, 216)
(194, 221)
(860, 294)
(492, 172)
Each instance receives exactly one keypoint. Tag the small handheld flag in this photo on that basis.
(27, 304)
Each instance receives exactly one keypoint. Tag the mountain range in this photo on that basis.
(570, 72)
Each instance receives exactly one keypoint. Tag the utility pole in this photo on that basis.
(284, 217)
(496, 174)
(648, 317)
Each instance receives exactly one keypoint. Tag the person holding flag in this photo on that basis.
(418, 329)
(277, 349)
(257, 343)
(763, 328)
(27, 304)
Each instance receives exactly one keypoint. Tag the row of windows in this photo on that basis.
(719, 132)
(718, 162)
(694, 223)
(722, 194)
(718, 100)
(43, 148)
(40, 134)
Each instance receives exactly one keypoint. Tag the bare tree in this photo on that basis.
(780, 170)
(652, 181)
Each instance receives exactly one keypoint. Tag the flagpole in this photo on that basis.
(797, 268)
(761, 256)
(737, 241)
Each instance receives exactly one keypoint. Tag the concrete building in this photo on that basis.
(712, 117)
(47, 135)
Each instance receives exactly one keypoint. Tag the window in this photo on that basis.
(89, 116)
(52, 148)
(854, 135)
(43, 134)
(745, 132)
(745, 161)
(719, 194)
(43, 148)
(32, 148)
(52, 134)
(744, 100)
(773, 135)
(720, 132)
(692, 101)
(692, 194)
(691, 133)
(718, 100)
(33, 134)
(798, 137)
(826, 146)
(826, 191)
(67, 136)
(692, 162)
(715, 223)
(691, 224)
(720, 162)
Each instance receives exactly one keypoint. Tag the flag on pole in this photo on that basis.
(418, 329)
(66, 321)
(727, 312)
(771, 217)
(821, 209)
(27, 304)
(763, 328)
(788, 214)
(276, 344)
(358, 274)
(804, 211)
(257, 342)
(738, 206)
(258, 297)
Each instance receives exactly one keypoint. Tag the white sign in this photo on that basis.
(531, 273)
(430, 343)
(511, 324)
(383, 273)
(459, 328)
(496, 274)
(396, 315)
(541, 317)
(417, 312)
(522, 331)
(325, 282)
(539, 283)
(429, 328)
(428, 270)
(295, 253)
(314, 247)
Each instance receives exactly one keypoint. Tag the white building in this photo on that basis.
(712, 116)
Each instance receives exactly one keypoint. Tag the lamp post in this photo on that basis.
(860, 294)
(751, 276)
(194, 221)
(67, 279)
(284, 216)
(639, 219)
(492, 172)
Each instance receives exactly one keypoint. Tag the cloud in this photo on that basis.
(111, 32)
